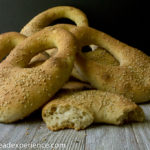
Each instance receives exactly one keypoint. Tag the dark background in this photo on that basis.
(126, 20)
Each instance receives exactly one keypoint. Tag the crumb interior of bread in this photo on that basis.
(61, 117)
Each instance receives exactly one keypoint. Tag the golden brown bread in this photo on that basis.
(27, 82)
(131, 78)
(79, 109)
(23, 90)
(8, 41)
(40, 58)
(100, 56)
(72, 84)
(45, 18)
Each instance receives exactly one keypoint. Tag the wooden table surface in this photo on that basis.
(135, 136)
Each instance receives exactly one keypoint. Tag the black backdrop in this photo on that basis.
(127, 20)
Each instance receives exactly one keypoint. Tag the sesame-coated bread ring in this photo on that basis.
(8, 41)
(100, 56)
(23, 90)
(44, 19)
(40, 58)
(78, 110)
(71, 84)
(131, 78)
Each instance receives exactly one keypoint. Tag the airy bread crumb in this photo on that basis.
(66, 116)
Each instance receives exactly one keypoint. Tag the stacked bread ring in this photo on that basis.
(45, 65)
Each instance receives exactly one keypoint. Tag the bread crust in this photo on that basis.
(45, 18)
(72, 84)
(99, 55)
(106, 107)
(24, 90)
(8, 41)
(130, 78)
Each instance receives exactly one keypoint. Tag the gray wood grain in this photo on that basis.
(135, 136)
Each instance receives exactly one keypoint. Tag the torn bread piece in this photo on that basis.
(80, 109)
(60, 116)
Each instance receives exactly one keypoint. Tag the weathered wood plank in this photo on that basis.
(105, 137)
(134, 136)
(127, 137)
(71, 139)
(34, 131)
(21, 132)
(142, 130)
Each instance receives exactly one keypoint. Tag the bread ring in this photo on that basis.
(131, 78)
(41, 57)
(44, 19)
(99, 55)
(23, 90)
(71, 84)
(79, 109)
(8, 41)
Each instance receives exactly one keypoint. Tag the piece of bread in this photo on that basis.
(24, 90)
(72, 84)
(8, 41)
(79, 109)
(45, 18)
(41, 57)
(98, 55)
(130, 78)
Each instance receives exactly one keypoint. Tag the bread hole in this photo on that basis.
(40, 58)
(62, 110)
(49, 113)
(67, 108)
(72, 124)
(63, 21)
(86, 49)
(83, 113)
(45, 115)
(74, 118)
(89, 48)
(81, 117)
(53, 109)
